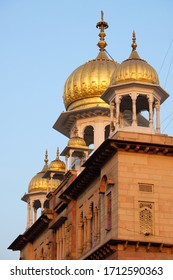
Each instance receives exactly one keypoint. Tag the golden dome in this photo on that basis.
(57, 164)
(134, 69)
(39, 184)
(86, 84)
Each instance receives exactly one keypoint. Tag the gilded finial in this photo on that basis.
(57, 153)
(102, 25)
(134, 45)
(46, 158)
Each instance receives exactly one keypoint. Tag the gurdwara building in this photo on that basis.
(112, 196)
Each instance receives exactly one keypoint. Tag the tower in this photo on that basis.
(134, 89)
(40, 186)
(82, 96)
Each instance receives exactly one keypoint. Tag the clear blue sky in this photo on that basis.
(41, 43)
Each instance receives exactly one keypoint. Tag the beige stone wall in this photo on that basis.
(155, 170)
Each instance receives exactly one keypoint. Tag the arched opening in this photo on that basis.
(36, 209)
(89, 135)
(37, 204)
(142, 111)
(126, 111)
(46, 204)
(103, 184)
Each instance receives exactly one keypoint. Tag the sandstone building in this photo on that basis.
(113, 196)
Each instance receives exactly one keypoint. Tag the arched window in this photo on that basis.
(103, 184)
(89, 135)
(142, 106)
(46, 204)
(106, 201)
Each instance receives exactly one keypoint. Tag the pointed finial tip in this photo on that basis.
(134, 45)
(102, 15)
(57, 153)
(46, 157)
(102, 25)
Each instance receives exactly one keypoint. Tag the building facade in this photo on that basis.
(112, 197)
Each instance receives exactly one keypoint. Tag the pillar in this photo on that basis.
(133, 97)
(29, 215)
(118, 101)
(89, 228)
(112, 116)
(66, 162)
(157, 105)
(96, 224)
(150, 100)
(85, 234)
(35, 214)
(80, 235)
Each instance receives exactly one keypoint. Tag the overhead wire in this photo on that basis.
(171, 61)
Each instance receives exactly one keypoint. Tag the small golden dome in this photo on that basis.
(57, 164)
(86, 84)
(76, 141)
(134, 69)
(38, 183)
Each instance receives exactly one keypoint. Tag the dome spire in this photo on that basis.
(46, 158)
(57, 153)
(134, 45)
(102, 25)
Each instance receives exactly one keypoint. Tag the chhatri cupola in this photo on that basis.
(135, 95)
(85, 109)
(40, 186)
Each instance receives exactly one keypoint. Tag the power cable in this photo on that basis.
(165, 56)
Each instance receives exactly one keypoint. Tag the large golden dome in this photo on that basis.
(86, 84)
(134, 69)
(39, 184)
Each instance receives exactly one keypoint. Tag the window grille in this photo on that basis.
(146, 217)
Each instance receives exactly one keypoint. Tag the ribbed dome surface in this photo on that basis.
(38, 183)
(86, 84)
(76, 141)
(134, 69)
(57, 165)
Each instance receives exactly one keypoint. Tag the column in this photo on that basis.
(150, 100)
(63, 241)
(85, 234)
(80, 234)
(133, 97)
(58, 247)
(157, 105)
(67, 239)
(71, 158)
(29, 218)
(66, 162)
(89, 228)
(118, 101)
(31, 213)
(95, 224)
(112, 116)
(35, 214)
